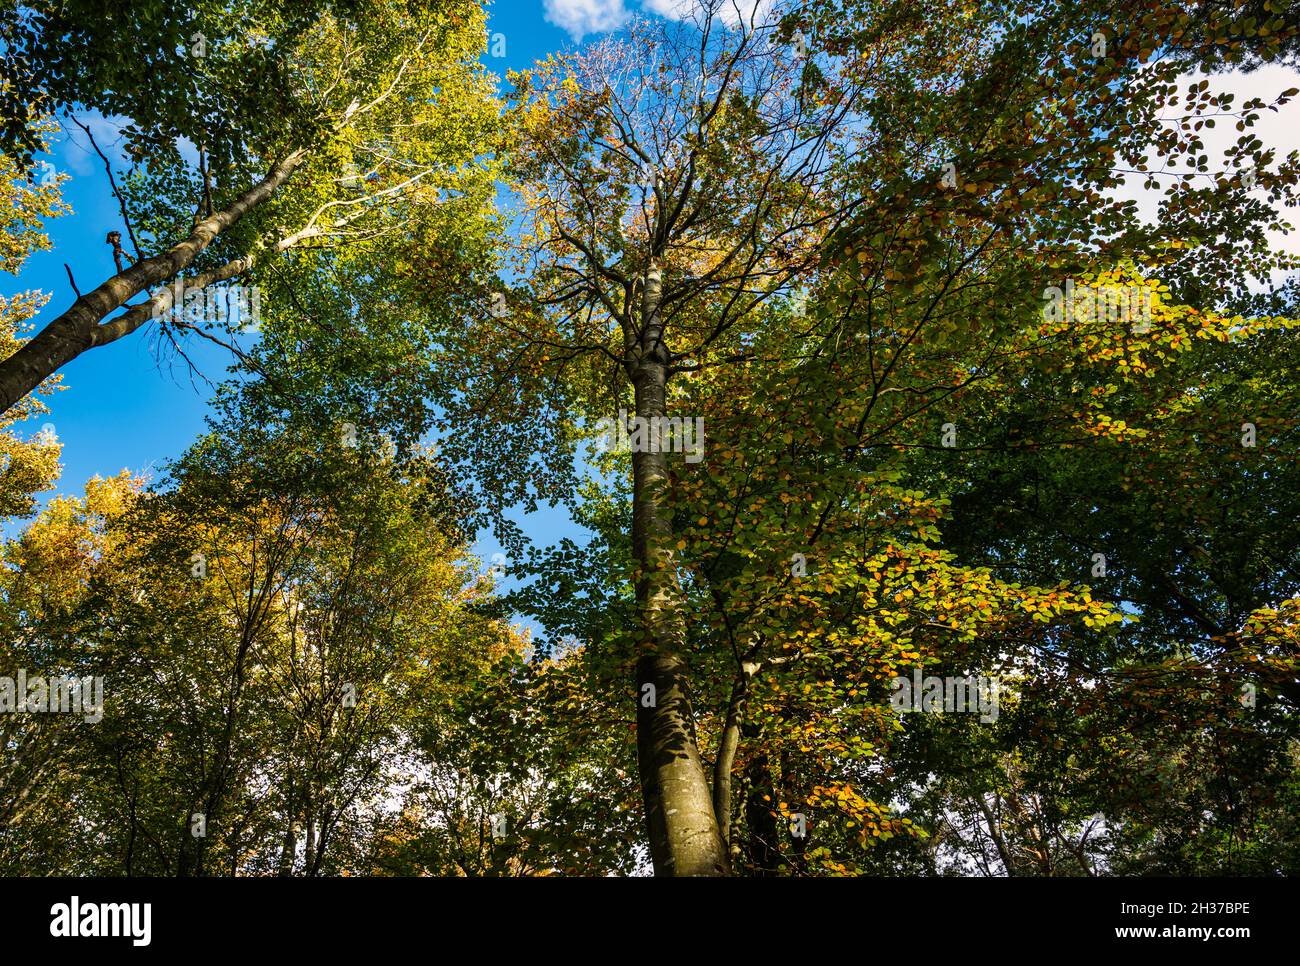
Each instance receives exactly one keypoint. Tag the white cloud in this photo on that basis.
(109, 135)
(581, 17)
(676, 9)
(730, 12)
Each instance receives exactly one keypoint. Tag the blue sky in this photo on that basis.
(134, 404)
(127, 405)
(130, 405)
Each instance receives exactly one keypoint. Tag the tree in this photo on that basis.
(29, 466)
(923, 418)
(313, 127)
(915, 173)
(268, 621)
(674, 182)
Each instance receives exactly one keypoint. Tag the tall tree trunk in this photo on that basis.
(224, 765)
(684, 837)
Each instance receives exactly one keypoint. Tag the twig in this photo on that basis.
(108, 168)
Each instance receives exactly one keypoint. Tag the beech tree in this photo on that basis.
(675, 181)
(896, 192)
(286, 126)
(835, 324)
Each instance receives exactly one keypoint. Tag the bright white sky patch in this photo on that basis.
(728, 12)
(677, 9)
(1279, 130)
(581, 17)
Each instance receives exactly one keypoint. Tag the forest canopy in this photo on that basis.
(917, 384)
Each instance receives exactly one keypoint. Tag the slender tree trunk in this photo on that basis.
(289, 843)
(996, 836)
(218, 785)
(684, 838)
(310, 836)
(726, 759)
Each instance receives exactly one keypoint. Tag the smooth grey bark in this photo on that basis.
(684, 837)
(727, 748)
